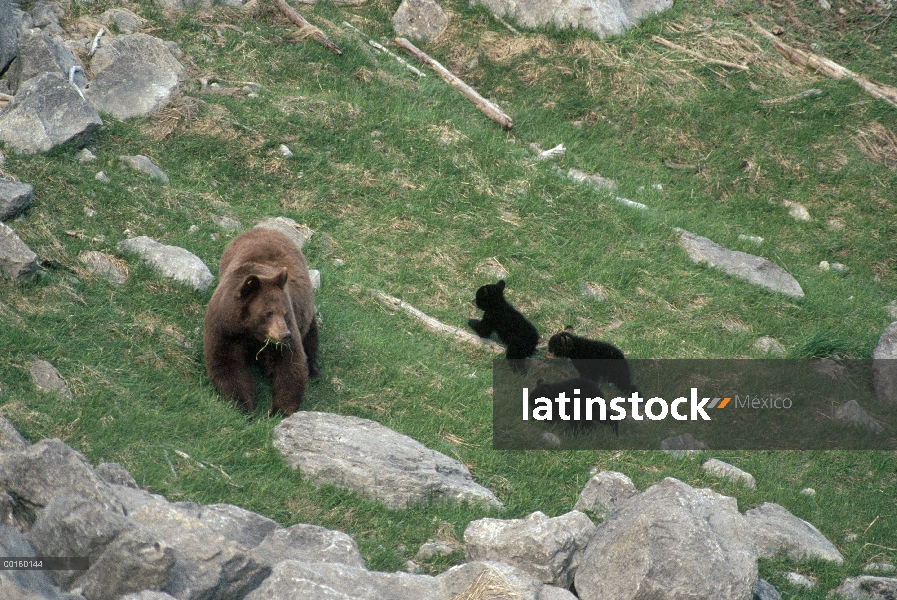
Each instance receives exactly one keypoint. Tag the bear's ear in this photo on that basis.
(281, 279)
(569, 328)
(540, 381)
(501, 285)
(250, 286)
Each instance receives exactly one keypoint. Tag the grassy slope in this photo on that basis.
(413, 189)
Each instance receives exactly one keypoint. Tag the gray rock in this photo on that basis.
(104, 265)
(551, 439)
(799, 580)
(851, 413)
(134, 498)
(227, 223)
(101, 176)
(14, 198)
(428, 550)
(144, 164)
(10, 439)
(17, 262)
(797, 211)
(311, 544)
(776, 531)
(590, 290)
(487, 579)
(325, 581)
(756, 270)
(867, 587)
(549, 549)
(491, 268)
(671, 541)
(726, 471)
(299, 234)
(602, 17)
(880, 568)
(136, 75)
(49, 468)
(183, 4)
(171, 262)
(133, 562)
(38, 53)
(46, 112)
(115, 474)
(765, 591)
(71, 525)
(683, 445)
(24, 584)
(208, 565)
(86, 156)
(550, 592)
(769, 345)
(604, 493)
(9, 36)
(420, 20)
(237, 524)
(315, 276)
(884, 365)
(374, 460)
(126, 21)
(47, 379)
(148, 595)
(596, 181)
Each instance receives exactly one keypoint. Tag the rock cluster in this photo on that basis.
(671, 540)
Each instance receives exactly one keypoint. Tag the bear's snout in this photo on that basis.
(286, 335)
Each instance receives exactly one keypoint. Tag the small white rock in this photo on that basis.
(808, 492)
(101, 176)
(824, 266)
(551, 439)
(799, 580)
(89, 211)
(315, 277)
(750, 238)
(284, 151)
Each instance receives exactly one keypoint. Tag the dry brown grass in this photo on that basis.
(178, 116)
(878, 143)
(490, 585)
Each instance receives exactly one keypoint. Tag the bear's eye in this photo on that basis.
(269, 314)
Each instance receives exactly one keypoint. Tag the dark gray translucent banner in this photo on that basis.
(819, 404)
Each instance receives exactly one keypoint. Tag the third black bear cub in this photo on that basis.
(590, 358)
(573, 388)
(518, 334)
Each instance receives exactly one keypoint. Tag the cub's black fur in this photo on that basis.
(518, 334)
(586, 389)
(594, 359)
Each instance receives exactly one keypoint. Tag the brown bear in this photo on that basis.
(262, 311)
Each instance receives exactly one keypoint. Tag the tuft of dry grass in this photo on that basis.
(178, 116)
(878, 143)
(490, 585)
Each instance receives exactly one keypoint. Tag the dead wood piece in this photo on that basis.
(798, 96)
(381, 48)
(306, 29)
(674, 165)
(830, 68)
(435, 325)
(486, 107)
(697, 55)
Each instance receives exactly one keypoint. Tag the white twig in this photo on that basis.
(96, 41)
(381, 48)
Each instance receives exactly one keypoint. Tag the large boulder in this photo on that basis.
(604, 493)
(172, 262)
(136, 75)
(17, 261)
(420, 20)
(673, 542)
(46, 112)
(37, 54)
(602, 17)
(776, 531)
(308, 543)
(549, 549)
(9, 35)
(371, 459)
(14, 197)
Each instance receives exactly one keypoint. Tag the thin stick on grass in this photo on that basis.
(436, 325)
(697, 55)
(306, 29)
(381, 48)
(829, 68)
(486, 107)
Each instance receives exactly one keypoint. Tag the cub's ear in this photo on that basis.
(250, 286)
(569, 328)
(501, 285)
(281, 280)
(540, 382)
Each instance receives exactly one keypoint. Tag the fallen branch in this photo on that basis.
(799, 96)
(381, 48)
(306, 29)
(830, 68)
(701, 57)
(436, 326)
(486, 107)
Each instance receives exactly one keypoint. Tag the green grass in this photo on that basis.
(412, 188)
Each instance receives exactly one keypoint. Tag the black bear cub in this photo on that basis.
(577, 387)
(594, 359)
(518, 334)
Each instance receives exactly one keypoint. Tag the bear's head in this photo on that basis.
(560, 344)
(490, 295)
(265, 307)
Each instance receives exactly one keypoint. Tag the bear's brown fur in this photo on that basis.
(262, 310)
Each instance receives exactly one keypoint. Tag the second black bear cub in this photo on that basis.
(594, 359)
(518, 334)
(573, 388)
